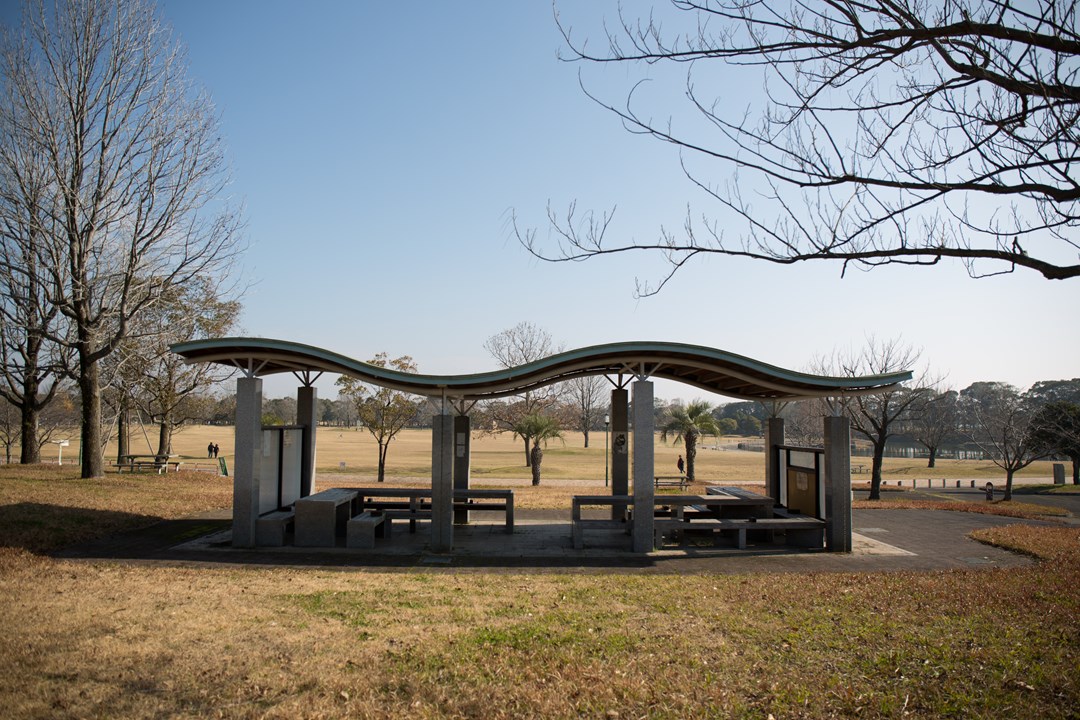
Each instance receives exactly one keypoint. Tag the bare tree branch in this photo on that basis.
(892, 133)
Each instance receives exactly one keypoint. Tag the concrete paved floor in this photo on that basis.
(884, 540)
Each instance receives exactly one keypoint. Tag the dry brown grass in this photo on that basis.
(45, 507)
(1010, 508)
(103, 639)
(1060, 545)
(502, 456)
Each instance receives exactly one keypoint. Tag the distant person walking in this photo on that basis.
(210, 450)
(216, 449)
(682, 465)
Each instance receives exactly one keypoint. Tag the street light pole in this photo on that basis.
(607, 423)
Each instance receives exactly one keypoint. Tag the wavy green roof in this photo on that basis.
(701, 367)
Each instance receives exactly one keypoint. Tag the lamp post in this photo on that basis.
(607, 423)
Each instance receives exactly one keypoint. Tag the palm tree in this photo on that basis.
(540, 428)
(687, 424)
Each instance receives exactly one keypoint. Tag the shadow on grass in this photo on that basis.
(1067, 489)
(88, 532)
(42, 528)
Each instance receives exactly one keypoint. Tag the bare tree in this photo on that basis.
(999, 419)
(1056, 431)
(384, 412)
(135, 173)
(9, 427)
(892, 132)
(934, 421)
(586, 394)
(802, 422)
(165, 388)
(32, 365)
(877, 416)
(524, 343)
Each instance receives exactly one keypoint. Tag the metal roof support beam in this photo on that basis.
(305, 377)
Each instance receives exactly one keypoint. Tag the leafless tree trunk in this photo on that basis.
(891, 132)
(384, 412)
(521, 344)
(123, 429)
(161, 383)
(934, 421)
(1000, 423)
(135, 171)
(31, 365)
(587, 395)
(876, 417)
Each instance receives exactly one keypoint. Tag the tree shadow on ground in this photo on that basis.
(43, 528)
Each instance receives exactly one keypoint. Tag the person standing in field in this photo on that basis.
(216, 449)
(210, 450)
(682, 465)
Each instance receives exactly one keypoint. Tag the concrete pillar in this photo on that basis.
(837, 484)
(307, 415)
(462, 439)
(246, 466)
(774, 437)
(620, 448)
(442, 483)
(644, 466)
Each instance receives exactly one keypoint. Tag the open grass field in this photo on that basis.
(107, 639)
(502, 457)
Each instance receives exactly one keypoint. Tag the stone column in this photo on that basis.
(620, 448)
(462, 440)
(442, 483)
(774, 437)
(644, 466)
(246, 466)
(307, 409)
(837, 484)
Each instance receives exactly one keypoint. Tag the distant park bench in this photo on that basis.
(679, 481)
(138, 463)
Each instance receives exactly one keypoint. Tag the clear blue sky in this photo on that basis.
(381, 147)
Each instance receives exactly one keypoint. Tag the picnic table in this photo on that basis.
(414, 504)
(321, 518)
(160, 463)
(679, 481)
(733, 511)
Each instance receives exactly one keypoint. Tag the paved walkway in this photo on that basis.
(884, 540)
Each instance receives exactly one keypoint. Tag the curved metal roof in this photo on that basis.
(701, 367)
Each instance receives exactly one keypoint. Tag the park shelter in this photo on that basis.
(629, 366)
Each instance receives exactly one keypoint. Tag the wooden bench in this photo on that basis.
(272, 529)
(360, 530)
(141, 465)
(679, 481)
(495, 500)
